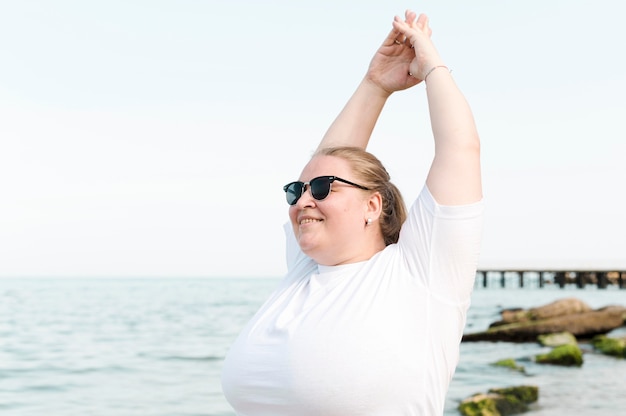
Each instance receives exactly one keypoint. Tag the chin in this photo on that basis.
(309, 248)
(318, 256)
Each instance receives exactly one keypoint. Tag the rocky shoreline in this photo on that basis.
(566, 315)
(563, 326)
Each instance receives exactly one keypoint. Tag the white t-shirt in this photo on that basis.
(379, 337)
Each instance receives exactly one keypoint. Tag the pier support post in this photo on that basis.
(580, 280)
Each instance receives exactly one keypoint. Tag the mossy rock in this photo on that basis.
(557, 339)
(509, 363)
(500, 402)
(480, 405)
(526, 394)
(610, 346)
(565, 355)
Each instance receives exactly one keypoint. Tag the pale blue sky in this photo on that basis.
(152, 138)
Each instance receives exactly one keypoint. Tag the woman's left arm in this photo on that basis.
(454, 177)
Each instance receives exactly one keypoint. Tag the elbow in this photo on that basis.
(462, 144)
(468, 143)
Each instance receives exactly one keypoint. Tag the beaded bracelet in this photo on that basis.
(432, 69)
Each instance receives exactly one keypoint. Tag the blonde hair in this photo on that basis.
(371, 173)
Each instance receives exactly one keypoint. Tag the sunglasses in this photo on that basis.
(320, 188)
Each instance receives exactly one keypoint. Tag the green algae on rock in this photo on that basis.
(481, 405)
(510, 363)
(615, 347)
(565, 355)
(500, 402)
(526, 394)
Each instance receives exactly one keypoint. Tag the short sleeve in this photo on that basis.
(441, 246)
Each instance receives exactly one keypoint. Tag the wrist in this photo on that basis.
(373, 89)
(435, 68)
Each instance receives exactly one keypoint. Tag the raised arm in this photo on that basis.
(454, 177)
(388, 72)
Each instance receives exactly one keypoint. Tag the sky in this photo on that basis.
(152, 138)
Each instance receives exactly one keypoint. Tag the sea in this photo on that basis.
(155, 347)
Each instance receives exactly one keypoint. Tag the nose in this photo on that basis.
(306, 199)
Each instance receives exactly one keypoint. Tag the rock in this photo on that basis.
(481, 405)
(510, 363)
(525, 394)
(559, 307)
(545, 320)
(615, 347)
(512, 315)
(500, 402)
(565, 355)
(616, 309)
(555, 340)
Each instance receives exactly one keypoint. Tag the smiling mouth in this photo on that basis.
(309, 221)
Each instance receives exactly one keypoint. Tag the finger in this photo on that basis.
(399, 25)
(403, 28)
(425, 25)
(422, 22)
(410, 16)
(394, 37)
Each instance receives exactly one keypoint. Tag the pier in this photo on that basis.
(540, 278)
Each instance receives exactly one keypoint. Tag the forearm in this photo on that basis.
(356, 121)
(455, 176)
(451, 118)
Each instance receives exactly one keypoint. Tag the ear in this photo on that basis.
(374, 206)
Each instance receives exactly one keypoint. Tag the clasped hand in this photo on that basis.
(405, 56)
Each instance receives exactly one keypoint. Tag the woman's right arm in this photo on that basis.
(388, 72)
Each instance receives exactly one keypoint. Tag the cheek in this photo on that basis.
(293, 213)
(342, 215)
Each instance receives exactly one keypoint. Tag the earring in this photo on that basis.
(369, 221)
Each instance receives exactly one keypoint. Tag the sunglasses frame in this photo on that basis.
(330, 180)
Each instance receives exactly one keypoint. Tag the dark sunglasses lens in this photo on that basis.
(320, 188)
(293, 191)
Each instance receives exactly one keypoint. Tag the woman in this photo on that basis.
(369, 318)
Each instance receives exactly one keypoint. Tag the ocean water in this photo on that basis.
(154, 347)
